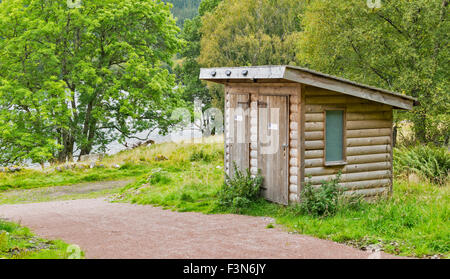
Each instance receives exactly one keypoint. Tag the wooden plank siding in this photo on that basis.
(368, 142)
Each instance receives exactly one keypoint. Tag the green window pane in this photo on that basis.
(334, 135)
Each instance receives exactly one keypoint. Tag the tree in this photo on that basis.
(251, 32)
(75, 75)
(402, 46)
(189, 69)
(184, 9)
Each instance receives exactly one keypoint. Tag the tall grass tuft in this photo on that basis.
(240, 190)
(429, 162)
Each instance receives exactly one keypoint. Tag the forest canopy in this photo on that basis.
(72, 80)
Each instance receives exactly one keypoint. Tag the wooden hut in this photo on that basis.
(298, 125)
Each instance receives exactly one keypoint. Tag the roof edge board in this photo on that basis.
(350, 82)
(309, 77)
(237, 73)
(312, 79)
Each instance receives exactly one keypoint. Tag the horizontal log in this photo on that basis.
(363, 133)
(293, 135)
(350, 177)
(293, 162)
(293, 197)
(314, 117)
(368, 107)
(316, 91)
(318, 135)
(314, 145)
(368, 124)
(384, 115)
(313, 126)
(293, 126)
(348, 169)
(311, 163)
(293, 188)
(365, 184)
(320, 108)
(293, 152)
(294, 108)
(368, 192)
(366, 150)
(293, 116)
(312, 154)
(349, 107)
(294, 99)
(293, 179)
(332, 100)
(368, 141)
(371, 158)
(293, 171)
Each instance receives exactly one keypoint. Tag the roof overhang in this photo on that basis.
(275, 74)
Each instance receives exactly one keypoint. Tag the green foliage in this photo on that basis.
(82, 77)
(189, 69)
(429, 162)
(159, 178)
(240, 190)
(28, 179)
(17, 242)
(248, 32)
(321, 201)
(205, 155)
(402, 46)
(184, 9)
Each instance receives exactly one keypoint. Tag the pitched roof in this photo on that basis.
(308, 77)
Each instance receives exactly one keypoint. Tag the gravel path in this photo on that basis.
(107, 230)
(76, 191)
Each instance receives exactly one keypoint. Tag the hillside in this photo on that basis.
(184, 9)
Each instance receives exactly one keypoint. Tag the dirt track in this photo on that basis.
(106, 230)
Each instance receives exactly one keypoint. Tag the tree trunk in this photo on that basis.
(66, 154)
(394, 136)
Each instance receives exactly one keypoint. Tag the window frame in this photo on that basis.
(344, 137)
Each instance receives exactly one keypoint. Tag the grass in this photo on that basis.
(133, 164)
(187, 181)
(414, 221)
(46, 194)
(18, 242)
(29, 179)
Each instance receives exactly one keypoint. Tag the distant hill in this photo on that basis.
(184, 9)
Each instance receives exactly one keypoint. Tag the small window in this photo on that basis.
(334, 137)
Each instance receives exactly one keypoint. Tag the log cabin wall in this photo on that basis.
(367, 142)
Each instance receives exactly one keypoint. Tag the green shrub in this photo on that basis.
(322, 201)
(205, 154)
(240, 191)
(428, 162)
(159, 177)
(3, 241)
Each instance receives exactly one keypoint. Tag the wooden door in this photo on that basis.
(239, 132)
(273, 148)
